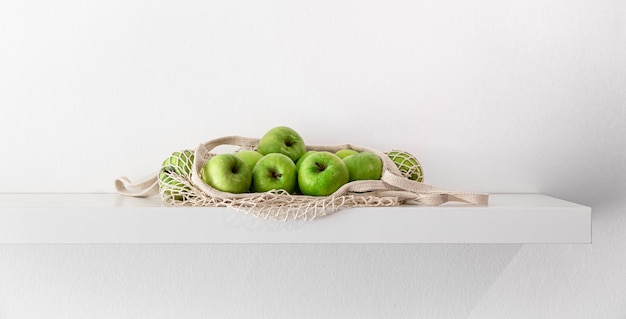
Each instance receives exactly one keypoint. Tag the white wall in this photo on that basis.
(494, 96)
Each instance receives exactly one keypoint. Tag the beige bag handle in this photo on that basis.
(145, 188)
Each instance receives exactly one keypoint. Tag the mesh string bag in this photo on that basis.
(179, 183)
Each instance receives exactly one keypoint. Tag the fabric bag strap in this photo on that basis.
(145, 188)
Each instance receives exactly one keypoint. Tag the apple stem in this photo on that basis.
(320, 167)
(276, 174)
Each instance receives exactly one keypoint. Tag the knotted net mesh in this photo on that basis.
(408, 165)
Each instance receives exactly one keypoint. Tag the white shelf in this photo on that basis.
(112, 218)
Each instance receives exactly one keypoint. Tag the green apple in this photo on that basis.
(227, 173)
(301, 159)
(274, 171)
(408, 165)
(284, 140)
(321, 174)
(345, 153)
(364, 166)
(178, 163)
(173, 187)
(249, 157)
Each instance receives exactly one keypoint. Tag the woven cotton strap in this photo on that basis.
(432, 196)
(145, 188)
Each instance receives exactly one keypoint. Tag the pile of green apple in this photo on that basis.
(281, 162)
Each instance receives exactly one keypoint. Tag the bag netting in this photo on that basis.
(179, 183)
